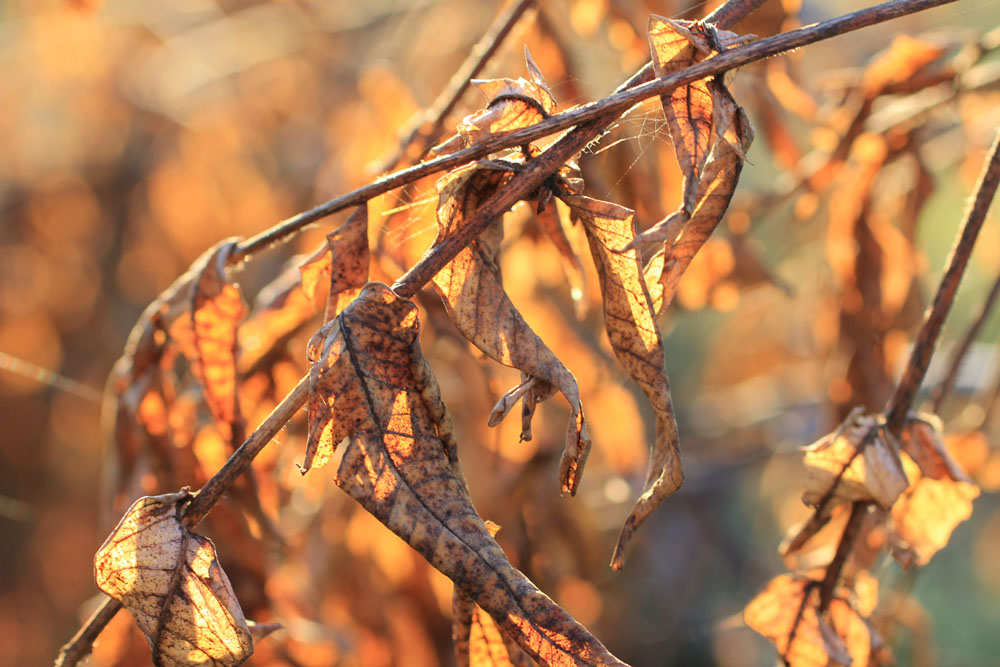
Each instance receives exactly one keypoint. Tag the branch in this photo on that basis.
(941, 392)
(923, 348)
(899, 404)
(629, 94)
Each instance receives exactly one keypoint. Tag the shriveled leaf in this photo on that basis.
(926, 514)
(340, 269)
(786, 612)
(513, 104)
(857, 462)
(474, 297)
(369, 386)
(922, 441)
(549, 102)
(278, 312)
(715, 190)
(676, 45)
(635, 339)
(172, 583)
(478, 641)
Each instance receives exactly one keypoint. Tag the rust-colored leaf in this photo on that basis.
(340, 269)
(857, 462)
(786, 612)
(939, 497)
(894, 69)
(635, 339)
(478, 641)
(473, 294)
(171, 581)
(371, 386)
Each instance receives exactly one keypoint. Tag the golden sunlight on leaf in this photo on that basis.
(857, 462)
(370, 385)
(343, 262)
(478, 640)
(171, 582)
(635, 339)
(786, 613)
(475, 299)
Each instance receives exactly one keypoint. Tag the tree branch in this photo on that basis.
(610, 107)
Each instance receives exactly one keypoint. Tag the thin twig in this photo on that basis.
(920, 358)
(79, 647)
(731, 13)
(859, 510)
(940, 393)
(611, 106)
(428, 125)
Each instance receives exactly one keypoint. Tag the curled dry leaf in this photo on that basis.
(478, 640)
(474, 297)
(939, 497)
(344, 262)
(786, 612)
(513, 104)
(635, 339)
(858, 462)
(371, 386)
(715, 190)
(676, 45)
(172, 583)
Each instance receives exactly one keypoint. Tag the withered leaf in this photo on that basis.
(474, 297)
(676, 45)
(513, 104)
(938, 498)
(280, 309)
(715, 190)
(635, 339)
(344, 262)
(858, 462)
(478, 641)
(369, 385)
(172, 583)
(786, 612)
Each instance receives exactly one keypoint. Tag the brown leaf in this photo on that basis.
(786, 613)
(922, 441)
(474, 297)
(369, 386)
(478, 641)
(513, 104)
(279, 311)
(857, 462)
(343, 262)
(715, 190)
(635, 339)
(675, 46)
(899, 64)
(551, 223)
(171, 581)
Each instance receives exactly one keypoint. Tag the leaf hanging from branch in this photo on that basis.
(635, 339)
(474, 297)
(370, 385)
(344, 262)
(171, 581)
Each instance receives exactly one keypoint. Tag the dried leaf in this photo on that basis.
(480, 308)
(478, 641)
(855, 463)
(786, 613)
(513, 104)
(926, 514)
(370, 386)
(344, 262)
(635, 339)
(550, 221)
(202, 319)
(892, 69)
(922, 441)
(279, 311)
(715, 190)
(170, 580)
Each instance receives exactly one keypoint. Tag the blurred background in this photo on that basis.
(133, 136)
